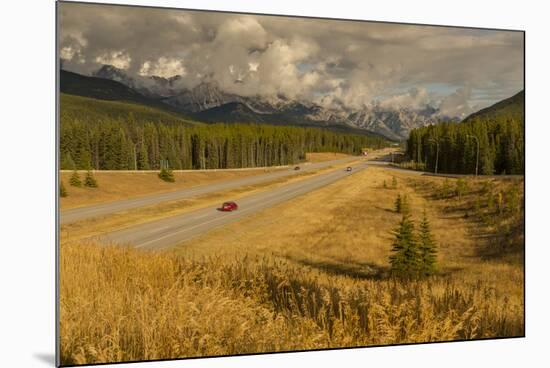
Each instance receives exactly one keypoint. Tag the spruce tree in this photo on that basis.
(394, 182)
(404, 258)
(427, 248)
(89, 180)
(384, 185)
(62, 190)
(444, 190)
(398, 203)
(405, 206)
(75, 179)
(167, 175)
(67, 163)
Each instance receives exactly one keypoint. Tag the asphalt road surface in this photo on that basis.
(170, 231)
(82, 213)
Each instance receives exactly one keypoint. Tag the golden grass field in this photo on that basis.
(307, 274)
(324, 156)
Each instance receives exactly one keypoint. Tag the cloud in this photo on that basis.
(457, 103)
(414, 98)
(119, 59)
(162, 67)
(328, 61)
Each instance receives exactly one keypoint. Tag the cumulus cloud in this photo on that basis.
(330, 62)
(414, 98)
(162, 67)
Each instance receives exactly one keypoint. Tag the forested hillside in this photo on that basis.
(510, 108)
(109, 135)
(499, 130)
(90, 110)
(106, 89)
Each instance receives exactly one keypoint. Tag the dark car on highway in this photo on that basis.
(228, 206)
(348, 168)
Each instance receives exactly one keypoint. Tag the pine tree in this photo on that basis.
(398, 203)
(67, 163)
(75, 179)
(405, 206)
(89, 180)
(167, 175)
(62, 190)
(427, 248)
(404, 260)
(384, 185)
(394, 182)
(444, 190)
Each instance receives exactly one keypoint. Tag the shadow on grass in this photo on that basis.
(390, 210)
(360, 270)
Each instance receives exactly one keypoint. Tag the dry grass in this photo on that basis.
(320, 282)
(324, 156)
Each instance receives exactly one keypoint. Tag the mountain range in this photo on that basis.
(207, 102)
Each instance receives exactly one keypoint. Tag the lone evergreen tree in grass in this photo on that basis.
(444, 190)
(427, 248)
(62, 190)
(394, 182)
(75, 179)
(385, 185)
(405, 207)
(167, 175)
(404, 258)
(402, 204)
(398, 203)
(89, 180)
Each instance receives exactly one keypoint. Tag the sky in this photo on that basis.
(329, 62)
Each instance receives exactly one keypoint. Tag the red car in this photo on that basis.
(229, 206)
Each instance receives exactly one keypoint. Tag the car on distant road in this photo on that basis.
(348, 168)
(229, 206)
(297, 168)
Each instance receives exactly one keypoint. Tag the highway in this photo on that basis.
(170, 231)
(82, 213)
